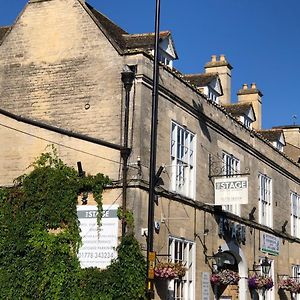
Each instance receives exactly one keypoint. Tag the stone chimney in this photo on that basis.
(252, 95)
(223, 68)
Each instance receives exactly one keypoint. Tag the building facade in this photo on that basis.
(61, 66)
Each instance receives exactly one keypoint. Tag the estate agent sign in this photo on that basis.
(98, 244)
(233, 190)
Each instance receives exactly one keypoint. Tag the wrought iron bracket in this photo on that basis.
(217, 168)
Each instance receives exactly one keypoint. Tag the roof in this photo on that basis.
(143, 40)
(238, 109)
(126, 41)
(272, 134)
(201, 80)
(292, 151)
(3, 31)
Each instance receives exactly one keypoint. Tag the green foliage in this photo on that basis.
(124, 279)
(39, 239)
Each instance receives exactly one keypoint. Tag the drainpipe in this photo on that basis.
(127, 78)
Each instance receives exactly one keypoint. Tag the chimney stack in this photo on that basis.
(223, 68)
(254, 96)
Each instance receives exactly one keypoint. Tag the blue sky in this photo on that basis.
(260, 38)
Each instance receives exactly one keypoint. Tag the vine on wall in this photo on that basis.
(39, 239)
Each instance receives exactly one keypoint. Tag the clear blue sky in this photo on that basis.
(260, 38)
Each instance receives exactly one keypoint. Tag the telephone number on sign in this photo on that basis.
(96, 255)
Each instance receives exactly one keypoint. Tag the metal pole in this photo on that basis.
(127, 79)
(153, 146)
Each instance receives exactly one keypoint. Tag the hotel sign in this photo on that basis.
(269, 243)
(233, 190)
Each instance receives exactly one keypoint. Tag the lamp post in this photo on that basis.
(153, 145)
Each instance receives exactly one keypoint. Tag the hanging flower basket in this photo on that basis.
(225, 277)
(290, 284)
(169, 270)
(260, 282)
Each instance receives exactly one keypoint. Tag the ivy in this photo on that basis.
(39, 239)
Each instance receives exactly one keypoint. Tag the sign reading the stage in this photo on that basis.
(233, 190)
(98, 244)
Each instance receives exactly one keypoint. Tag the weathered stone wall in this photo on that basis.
(57, 66)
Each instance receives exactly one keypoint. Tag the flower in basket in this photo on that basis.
(169, 270)
(260, 282)
(225, 277)
(290, 284)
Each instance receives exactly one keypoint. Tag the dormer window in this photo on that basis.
(165, 58)
(275, 136)
(247, 122)
(278, 145)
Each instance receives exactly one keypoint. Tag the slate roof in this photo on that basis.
(238, 109)
(123, 39)
(200, 80)
(3, 31)
(144, 40)
(272, 134)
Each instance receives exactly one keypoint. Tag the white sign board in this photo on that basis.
(269, 243)
(233, 190)
(98, 244)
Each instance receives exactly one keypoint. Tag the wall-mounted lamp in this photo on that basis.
(265, 266)
(219, 259)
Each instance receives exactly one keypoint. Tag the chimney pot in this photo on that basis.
(245, 86)
(253, 85)
(222, 57)
(214, 58)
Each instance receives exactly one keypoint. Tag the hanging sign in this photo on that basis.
(269, 243)
(98, 244)
(233, 190)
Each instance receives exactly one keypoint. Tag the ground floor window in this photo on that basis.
(183, 251)
(296, 275)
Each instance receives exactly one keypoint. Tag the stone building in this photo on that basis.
(61, 66)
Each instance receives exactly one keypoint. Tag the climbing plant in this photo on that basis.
(40, 238)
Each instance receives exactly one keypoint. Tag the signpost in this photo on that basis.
(98, 244)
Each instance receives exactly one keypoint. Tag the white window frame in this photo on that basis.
(296, 276)
(265, 200)
(183, 145)
(295, 214)
(184, 251)
(230, 166)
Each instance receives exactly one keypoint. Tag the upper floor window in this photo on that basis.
(231, 166)
(295, 214)
(247, 122)
(265, 200)
(183, 251)
(182, 159)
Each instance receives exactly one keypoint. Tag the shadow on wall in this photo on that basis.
(201, 118)
(161, 286)
(283, 295)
